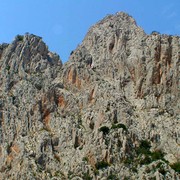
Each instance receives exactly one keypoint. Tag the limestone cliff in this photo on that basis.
(111, 112)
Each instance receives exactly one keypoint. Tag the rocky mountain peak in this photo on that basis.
(27, 54)
(111, 112)
(120, 20)
(110, 34)
(116, 44)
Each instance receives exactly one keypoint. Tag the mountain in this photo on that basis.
(111, 112)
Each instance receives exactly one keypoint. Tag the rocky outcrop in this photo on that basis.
(111, 112)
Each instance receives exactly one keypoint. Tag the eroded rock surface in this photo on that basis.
(111, 112)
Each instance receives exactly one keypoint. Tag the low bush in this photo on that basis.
(145, 160)
(8, 67)
(147, 156)
(115, 126)
(176, 166)
(112, 177)
(85, 159)
(101, 165)
(156, 155)
(86, 176)
(20, 37)
(144, 148)
(104, 129)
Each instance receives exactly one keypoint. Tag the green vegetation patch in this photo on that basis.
(116, 126)
(104, 129)
(102, 164)
(8, 67)
(20, 37)
(176, 166)
(112, 177)
(156, 155)
(144, 156)
(85, 159)
(144, 148)
(86, 176)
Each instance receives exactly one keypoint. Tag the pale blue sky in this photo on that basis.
(64, 23)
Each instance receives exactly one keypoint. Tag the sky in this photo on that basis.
(64, 23)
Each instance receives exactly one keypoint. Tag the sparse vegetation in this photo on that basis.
(128, 161)
(176, 166)
(147, 156)
(71, 52)
(145, 160)
(8, 67)
(70, 174)
(115, 126)
(126, 178)
(85, 159)
(152, 178)
(20, 37)
(112, 177)
(96, 171)
(155, 32)
(79, 119)
(86, 176)
(162, 171)
(102, 164)
(144, 156)
(145, 144)
(134, 169)
(104, 129)
(156, 155)
(144, 148)
(57, 174)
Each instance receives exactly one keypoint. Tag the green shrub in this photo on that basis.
(96, 172)
(20, 37)
(104, 129)
(57, 174)
(134, 169)
(70, 174)
(145, 144)
(101, 165)
(162, 171)
(128, 161)
(143, 156)
(144, 148)
(112, 177)
(145, 160)
(115, 126)
(159, 165)
(176, 166)
(8, 67)
(86, 176)
(85, 159)
(152, 178)
(156, 155)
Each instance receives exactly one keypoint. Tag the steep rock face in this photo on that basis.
(111, 112)
(120, 50)
(27, 69)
